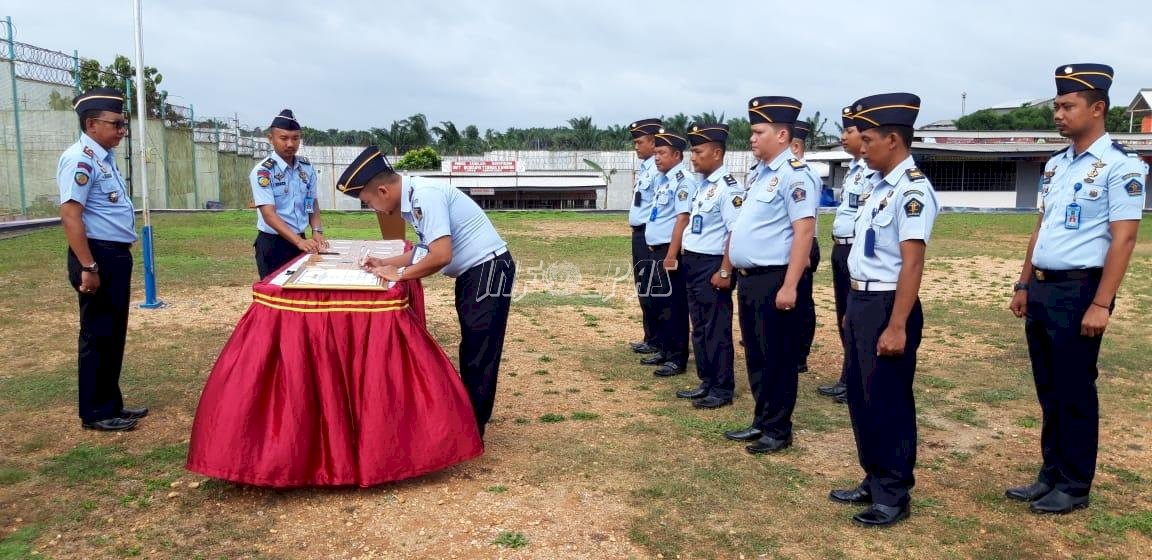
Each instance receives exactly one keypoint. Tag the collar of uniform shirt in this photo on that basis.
(1097, 149)
(902, 167)
(647, 163)
(780, 159)
(101, 153)
(716, 175)
(678, 167)
(406, 194)
(281, 161)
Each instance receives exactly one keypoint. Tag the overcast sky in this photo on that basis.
(496, 63)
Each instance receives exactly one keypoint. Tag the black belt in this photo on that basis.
(658, 247)
(688, 253)
(109, 244)
(639, 227)
(757, 270)
(1066, 275)
(301, 234)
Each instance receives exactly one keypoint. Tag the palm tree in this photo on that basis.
(677, 123)
(708, 117)
(817, 135)
(448, 138)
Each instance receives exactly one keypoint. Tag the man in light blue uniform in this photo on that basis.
(284, 192)
(707, 272)
(671, 202)
(462, 244)
(884, 320)
(799, 143)
(854, 192)
(644, 142)
(769, 248)
(1091, 203)
(99, 224)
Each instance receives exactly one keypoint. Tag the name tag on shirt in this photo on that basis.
(697, 224)
(1072, 216)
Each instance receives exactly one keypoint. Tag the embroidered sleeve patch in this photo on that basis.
(913, 192)
(799, 194)
(1131, 176)
(1134, 188)
(913, 208)
(682, 195)
(81, 178)
(81, 166)
(264, 181)
(737, 201)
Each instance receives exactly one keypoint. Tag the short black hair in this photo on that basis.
(89, 114)
(381, 177)
(1092, 96)
(904, 132)
(790, 127)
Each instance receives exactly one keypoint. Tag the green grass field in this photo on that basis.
(589, 455)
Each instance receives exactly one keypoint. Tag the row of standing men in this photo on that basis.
(693, 241)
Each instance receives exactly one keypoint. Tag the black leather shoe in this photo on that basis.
(842, 399)
(669, 369)
(747, 434)
(769, 445)
(110, 425)
(133, 413)
(1029, 493)
(644, 348)
(711, 402)
(857, 495)
(696, 393)
(878, 515)
(653, 360)
(832, 390)
(1059, 503)
(802, 368)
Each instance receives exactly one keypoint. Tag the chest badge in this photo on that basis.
(114, 197)
(418, 213)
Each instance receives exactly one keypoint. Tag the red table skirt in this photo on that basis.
(331, 388)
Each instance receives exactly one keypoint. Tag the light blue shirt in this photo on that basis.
(819, 182)
(291, 189)
(673, 197)
(714, 211)
(901, 207)
(1111, 188)
(438, 209)
(855, 184)
(643, 193)
(783, 193)
(87, 174)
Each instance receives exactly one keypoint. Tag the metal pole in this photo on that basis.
(164, 144)
(195, 176)
(150, 301)
(16, 116)
(76, 70)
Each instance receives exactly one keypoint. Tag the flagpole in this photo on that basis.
(150, 300)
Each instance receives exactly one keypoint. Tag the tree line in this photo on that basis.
(1035, 117)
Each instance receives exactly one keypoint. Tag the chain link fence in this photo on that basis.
(193, 162)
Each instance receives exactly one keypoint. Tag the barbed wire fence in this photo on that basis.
(193, 161)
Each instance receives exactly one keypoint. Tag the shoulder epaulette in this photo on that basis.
(914, 174)
(268, 163)
(797, 164)
(680, 175)
(1060, 151)
(1123, 149)
(753, 166)
(303, 160)
(730, 180)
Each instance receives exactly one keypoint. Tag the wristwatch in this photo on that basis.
(316, 230)
(91, 268)
(400, 271)
(725, 274)
(1019, 286)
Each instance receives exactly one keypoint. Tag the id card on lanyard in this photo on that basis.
(1072, 212)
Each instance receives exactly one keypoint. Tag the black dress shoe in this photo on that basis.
(653, 360)
(857, 495)
(1058, 502)
(711, 402)
(1029, 493)
(644, 348)
(769, 445)
(110, 425)
(696, 393)
(669, 369)
(802, 368)
(133, 413)
(878, 515)
(832, 390)
(842, 399)
(747, 434)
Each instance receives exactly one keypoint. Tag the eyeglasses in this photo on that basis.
(118, 124)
